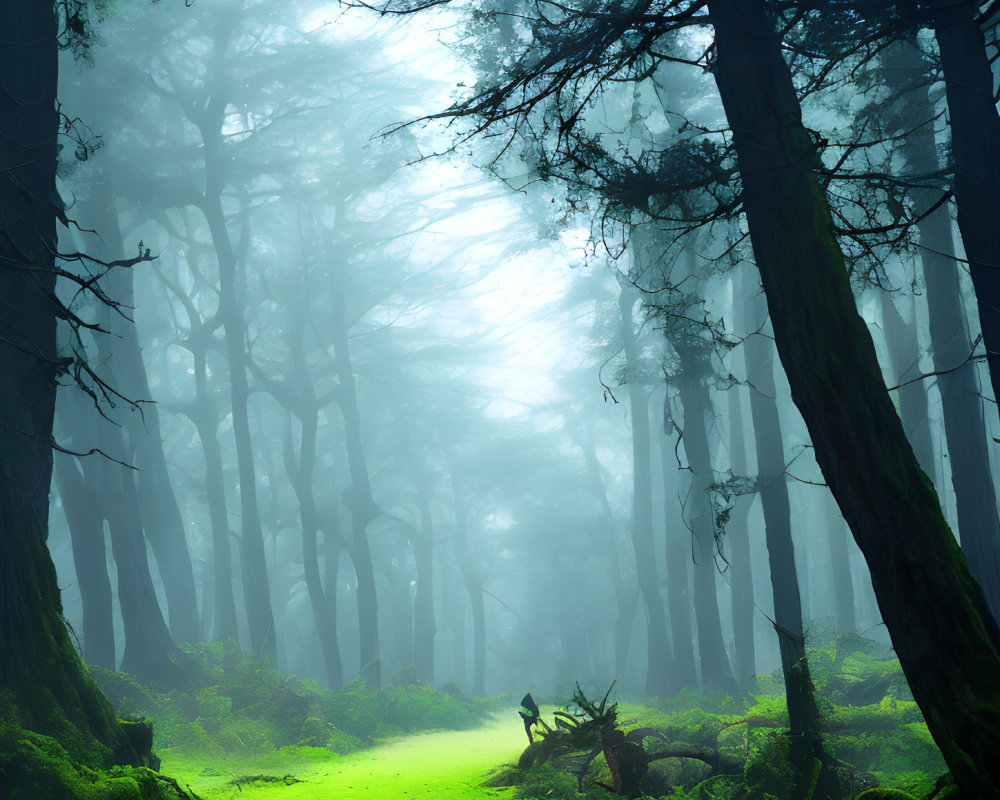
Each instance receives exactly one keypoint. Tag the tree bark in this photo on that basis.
(658, 659)
(975, 146)
(904, 358)
(86, 530)
(38, 665)
(678, 558)
(803, 713)
(716, 671)
(422, 543)
(942, 630)
(962, 408)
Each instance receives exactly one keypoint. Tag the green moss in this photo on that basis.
(885, 794)
(37, 767)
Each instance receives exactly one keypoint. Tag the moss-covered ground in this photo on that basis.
(444, 764)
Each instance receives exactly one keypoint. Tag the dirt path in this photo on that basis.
(448, 765)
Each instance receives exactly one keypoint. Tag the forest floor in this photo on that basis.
(447, 764)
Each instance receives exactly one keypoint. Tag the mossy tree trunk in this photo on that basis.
(942, 630)
(40, 672)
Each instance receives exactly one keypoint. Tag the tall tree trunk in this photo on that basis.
(975, 146)
(256, 585)
(904, 358)
(120, 356)
(738, 539)
(942, 630)
(840, 565)
(473, 585)
(301, 477)
(626, 593)
(716, 671)
(658, 658)
(962, 408)
(38, 666)
(422, 543)
(678, 557)
(803, 713)
(86, 529)
(359, 499)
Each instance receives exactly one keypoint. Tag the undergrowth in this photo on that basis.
(234, 703)
(739, 748)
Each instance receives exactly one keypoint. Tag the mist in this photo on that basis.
(520, 350)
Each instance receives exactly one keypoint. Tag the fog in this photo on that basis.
(372, 391)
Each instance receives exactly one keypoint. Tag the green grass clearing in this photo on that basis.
(445, 764)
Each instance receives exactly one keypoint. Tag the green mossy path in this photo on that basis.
(447, 764)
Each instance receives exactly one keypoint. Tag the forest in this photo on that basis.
(499, 399)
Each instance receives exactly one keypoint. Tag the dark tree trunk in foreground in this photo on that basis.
(716, 672)
(942, 630)
(658, 661)
(803, 714)
(975, 145)
(961, 405)
(38, 666)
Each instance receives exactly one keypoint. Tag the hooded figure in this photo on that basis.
(529, 713)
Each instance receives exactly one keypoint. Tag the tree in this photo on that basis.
(40, 672)
(943, 632)
(929, 601)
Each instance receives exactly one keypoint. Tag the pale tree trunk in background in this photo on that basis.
(678, 558)
(695, 369)
(837, 537)
(473, 585)
(942, 629)
(422, 544)
(738, 539)
(300, 473)
(904, 357)
(626, 592)
(803, 713)
(204, 415)
(659, 661)
(86, 528)
(120, 357)
(358, 500)
(109, 488)
(256, 585)
(253, 565)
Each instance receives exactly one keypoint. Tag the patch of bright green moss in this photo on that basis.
(37, 767)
